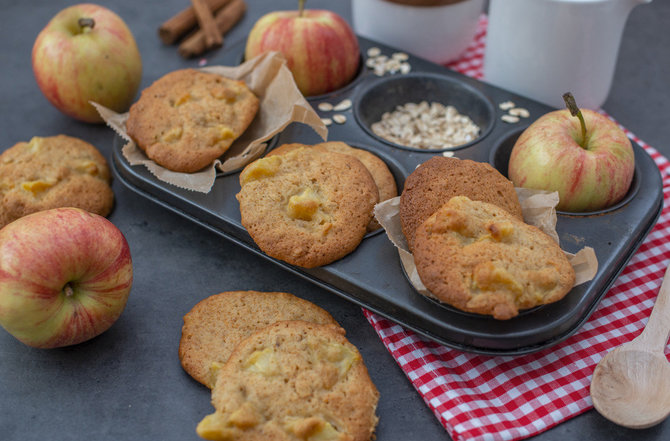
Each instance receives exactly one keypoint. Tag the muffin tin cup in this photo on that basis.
(387, 93)
(372, 275)
(499, 158)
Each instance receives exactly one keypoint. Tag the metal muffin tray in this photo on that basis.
(372, 275)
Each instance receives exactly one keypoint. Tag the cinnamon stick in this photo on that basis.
(213, 38)
(225, 19)
(177, 26)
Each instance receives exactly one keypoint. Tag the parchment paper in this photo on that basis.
(539, 209)
(281, 103)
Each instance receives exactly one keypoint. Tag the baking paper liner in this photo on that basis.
(539, 209)
(281, 104)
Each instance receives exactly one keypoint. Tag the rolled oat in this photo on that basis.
(382, 64)
(511, 119)
(342, 106)
(426, 126)
(325, 107)
(339, 118)
(519, 111)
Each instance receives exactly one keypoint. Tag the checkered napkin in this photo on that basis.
(510, 398)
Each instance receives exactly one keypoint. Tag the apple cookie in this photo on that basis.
(479, 258)
(215, 326)
(53, 172)
(307, 207)
(378, 169)
(293, 380)
(440, 178)
(188, 118)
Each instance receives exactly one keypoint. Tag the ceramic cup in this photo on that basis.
(439, 33)
(544, 48)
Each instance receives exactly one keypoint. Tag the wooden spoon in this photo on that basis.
(631, 384)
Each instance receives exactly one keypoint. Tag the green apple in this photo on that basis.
(87, 53)
(65, 277)
(320, 47)
(590, 163)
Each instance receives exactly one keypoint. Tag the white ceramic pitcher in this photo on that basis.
(544, 48)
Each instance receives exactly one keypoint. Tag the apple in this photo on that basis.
(587, 159)
(320, 47)
(87, 53)
(65, 276)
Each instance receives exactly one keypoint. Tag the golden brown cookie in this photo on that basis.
(215, 326)
(479, 258)
(293, 380)
(188, 118)
(377, 168)
(439, 179)
(52, 172)
(307, 207)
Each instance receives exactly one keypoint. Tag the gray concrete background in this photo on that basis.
(127, 384)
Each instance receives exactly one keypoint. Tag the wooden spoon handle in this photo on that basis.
(655, 335)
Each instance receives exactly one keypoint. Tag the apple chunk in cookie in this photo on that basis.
(582, 155)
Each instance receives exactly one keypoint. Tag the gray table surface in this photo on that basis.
(127, 384)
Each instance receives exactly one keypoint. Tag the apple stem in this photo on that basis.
(301, 7)
(69, 292)
(86, 22)
(571, 104)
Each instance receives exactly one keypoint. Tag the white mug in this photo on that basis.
(544, 48)
(436, 33)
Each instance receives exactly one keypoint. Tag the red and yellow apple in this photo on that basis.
(87, 53)
(591, 168)
(320, 47)
(65, 276)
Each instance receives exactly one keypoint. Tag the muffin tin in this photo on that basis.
(372, 275)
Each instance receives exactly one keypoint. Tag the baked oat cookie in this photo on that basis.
(188, 118)
(479, 258)
(293, 380)
(215, 326)
(52, 172)
(440, 178)
(377, 168)
(307, 207)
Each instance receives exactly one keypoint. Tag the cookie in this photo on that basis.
(52, 172)
(479, 258)
(307, 207)
(293, 380)
(439, 179)
(378, 169)
(215, 326)
(188, 118)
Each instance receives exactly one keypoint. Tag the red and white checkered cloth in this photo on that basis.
(479, 397)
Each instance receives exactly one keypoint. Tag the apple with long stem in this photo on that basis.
(65, 277)
(581, 154)
(320, 48)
